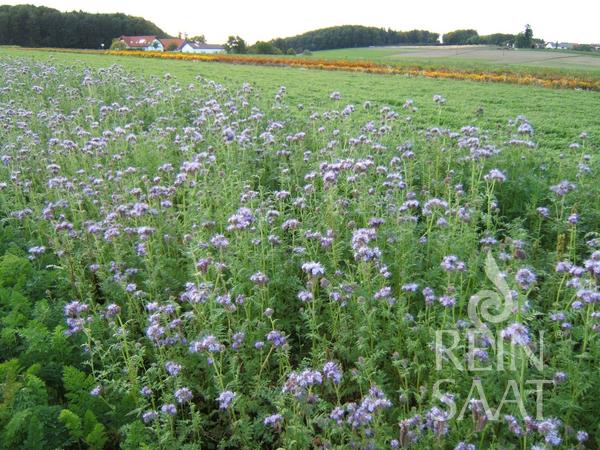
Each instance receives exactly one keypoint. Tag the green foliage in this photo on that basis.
(117, 44)
(35, 434)
(264, 48)
(96, 439)
(72, 422)
(499, 39)
(35, 428)
(32, 393)
(525, 39)
(200, 38)
(26, 419)
(471, 37)
(15, 271)
(347, 36)
(77, 386)
(236, 45)
(15, 431)
(461, 37)
(88, 430)
(31, 26)
(135, 436)
(16, 309)
(9, 388)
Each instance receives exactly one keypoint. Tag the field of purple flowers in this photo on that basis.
(200, 266)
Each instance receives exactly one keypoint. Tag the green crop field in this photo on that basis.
(476, 57)
(199, 255)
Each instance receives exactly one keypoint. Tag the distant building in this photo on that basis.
(145, 43)
(560, 45)
(152, 43)
(197, 47)
(172, 45)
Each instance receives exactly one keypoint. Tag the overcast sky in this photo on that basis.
(572, 21)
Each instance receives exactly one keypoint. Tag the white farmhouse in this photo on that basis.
(196, 47)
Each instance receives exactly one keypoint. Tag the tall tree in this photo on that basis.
(525, 39)
(236, 44)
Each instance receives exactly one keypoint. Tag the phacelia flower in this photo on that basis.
(225, 398)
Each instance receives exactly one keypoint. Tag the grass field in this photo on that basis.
(475, 57)
(224, 256)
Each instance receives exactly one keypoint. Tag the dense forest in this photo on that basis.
(32, 26)
(347, 36)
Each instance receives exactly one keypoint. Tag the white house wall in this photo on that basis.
(189, 49)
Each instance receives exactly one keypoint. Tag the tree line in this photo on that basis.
(471, 37)
(347, 36)
(32, 26)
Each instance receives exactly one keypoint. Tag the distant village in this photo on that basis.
(154, 44)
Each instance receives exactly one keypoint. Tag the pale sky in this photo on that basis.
(572, 21)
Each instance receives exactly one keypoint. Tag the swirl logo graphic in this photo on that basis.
(494, 306)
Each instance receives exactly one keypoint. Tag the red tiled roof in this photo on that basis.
(169, 42)
(137, 41)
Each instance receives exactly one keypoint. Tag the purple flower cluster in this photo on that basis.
(517, 333)
(495, 175)
(209, 343)
(333, 372)
(259, 278)
(298, 383)
(274, 420)
(362, 414)
(173, 368)
(277, 338)
(74, 313)
(525, 278)
(313, 269)
(360, 241)
(451, 263)
(169, 409)
(225, 399)
(183, 395)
